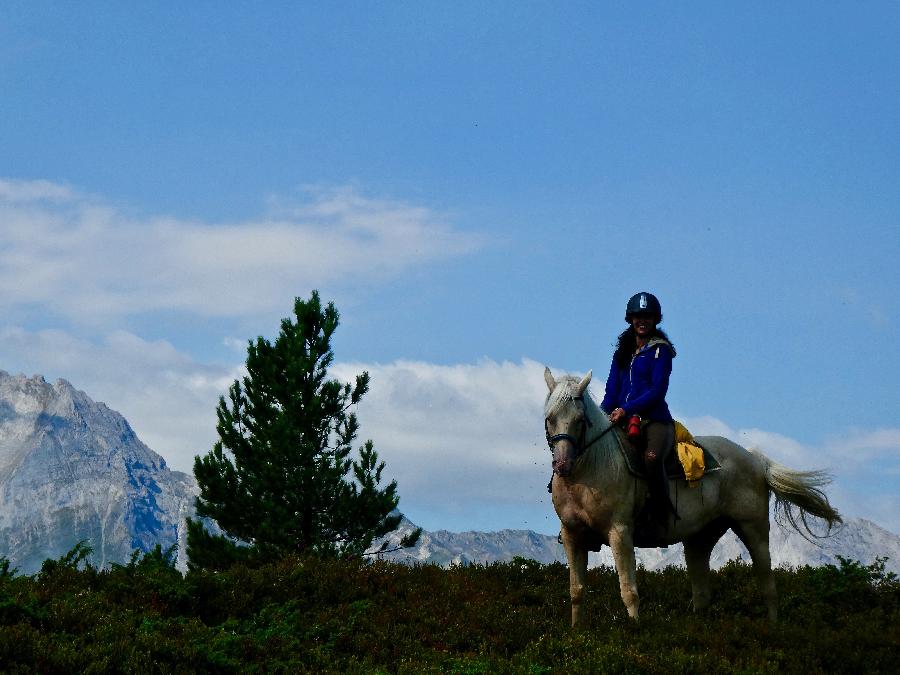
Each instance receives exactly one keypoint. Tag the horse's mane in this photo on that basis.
(561, 394)
(602, 455)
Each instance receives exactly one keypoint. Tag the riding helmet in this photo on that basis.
(643, 303)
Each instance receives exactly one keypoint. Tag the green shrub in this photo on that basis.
(310, 615)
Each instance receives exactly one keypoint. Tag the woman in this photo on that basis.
(637, 384)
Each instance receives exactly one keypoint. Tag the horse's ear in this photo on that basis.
(584, 383)
(548, 378)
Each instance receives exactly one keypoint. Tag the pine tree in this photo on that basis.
(278, 479)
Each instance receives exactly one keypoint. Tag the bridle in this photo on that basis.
(577, 443)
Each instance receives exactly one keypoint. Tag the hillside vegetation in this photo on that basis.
(312, 615)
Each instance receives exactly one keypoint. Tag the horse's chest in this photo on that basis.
(578, 508)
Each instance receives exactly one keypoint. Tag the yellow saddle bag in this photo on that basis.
(689, 454)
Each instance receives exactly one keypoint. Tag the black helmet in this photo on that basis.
(643, 303)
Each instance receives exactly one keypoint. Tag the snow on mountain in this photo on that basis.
(72, 469)
(455, 548)
(857, 539)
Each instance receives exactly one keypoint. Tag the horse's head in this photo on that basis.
(565, 420)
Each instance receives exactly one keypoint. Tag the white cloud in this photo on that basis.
(485, 416)
(20, 191)
(465, 442)
(867, 445)
(77, 256)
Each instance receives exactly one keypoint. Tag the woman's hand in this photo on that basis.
(616, 415)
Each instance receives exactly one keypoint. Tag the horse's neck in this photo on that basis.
(599, 421)
(604, 444)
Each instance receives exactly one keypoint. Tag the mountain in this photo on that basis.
(858, 539)
(456, 548)
(72, 469)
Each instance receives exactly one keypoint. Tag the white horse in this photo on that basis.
(597, 500)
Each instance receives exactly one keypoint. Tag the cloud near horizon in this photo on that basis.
(73, 254)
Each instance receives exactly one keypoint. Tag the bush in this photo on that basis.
(303, 614)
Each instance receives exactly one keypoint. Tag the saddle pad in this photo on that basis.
(635, 461)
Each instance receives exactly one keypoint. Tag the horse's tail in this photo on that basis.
(801, 489)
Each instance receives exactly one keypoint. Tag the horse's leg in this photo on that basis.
(755, 535)
(697, 549)
(621, 541)
(577, 554)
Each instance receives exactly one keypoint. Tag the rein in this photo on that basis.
(577, 443)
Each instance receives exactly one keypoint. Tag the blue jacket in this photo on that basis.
(640, 389)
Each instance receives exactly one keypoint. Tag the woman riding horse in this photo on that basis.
(596, 498)
(636, 386)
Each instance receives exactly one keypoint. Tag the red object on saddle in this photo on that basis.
(634, 427)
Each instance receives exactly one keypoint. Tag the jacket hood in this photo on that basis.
(657, 340)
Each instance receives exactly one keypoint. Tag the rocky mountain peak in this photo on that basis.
(73, 469)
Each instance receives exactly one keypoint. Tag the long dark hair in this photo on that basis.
(627, 344)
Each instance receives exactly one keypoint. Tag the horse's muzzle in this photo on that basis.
(563, 453)
(562, 469)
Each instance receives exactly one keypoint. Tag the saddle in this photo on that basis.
(687, 460)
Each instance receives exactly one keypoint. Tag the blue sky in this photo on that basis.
(480, 190)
